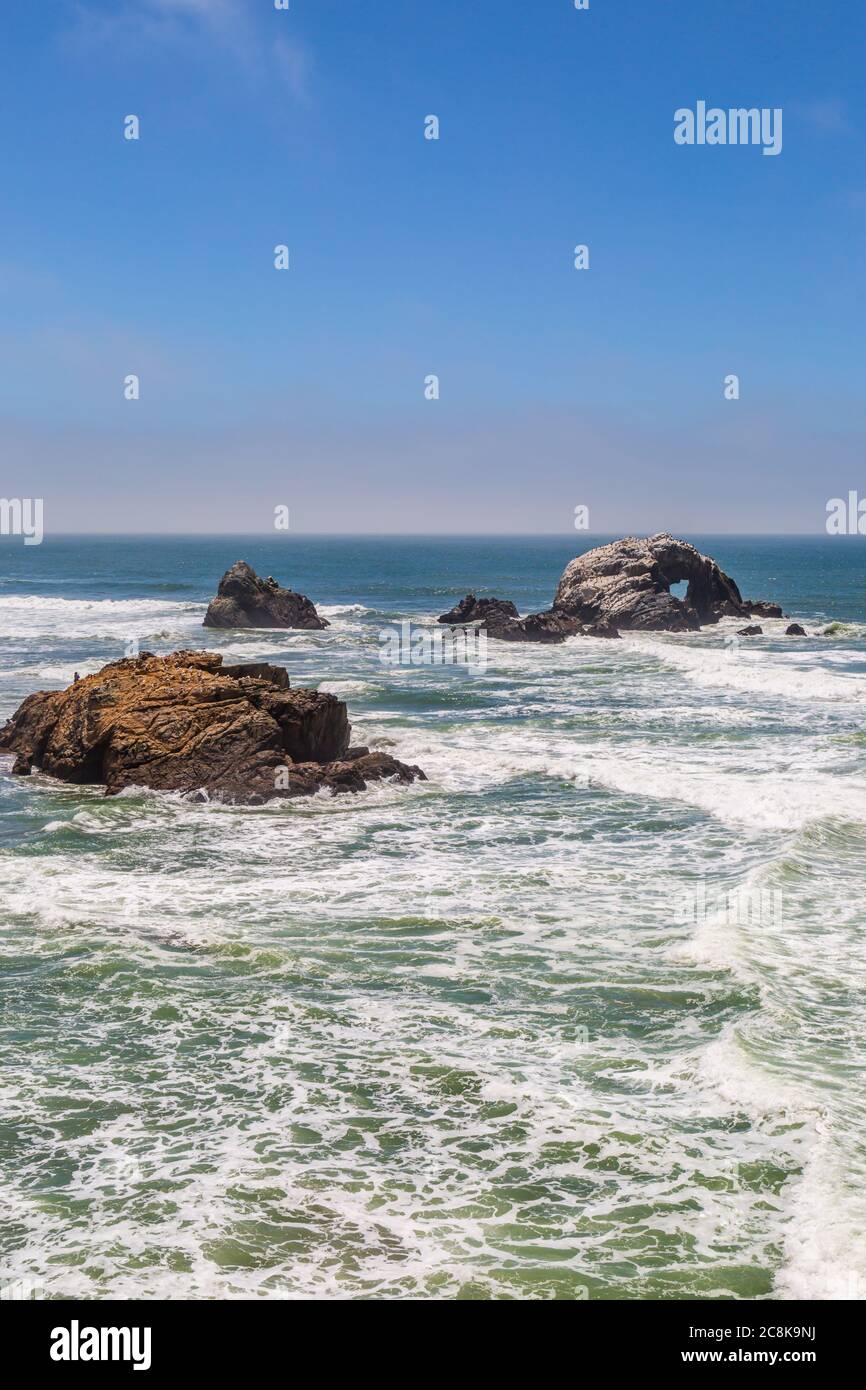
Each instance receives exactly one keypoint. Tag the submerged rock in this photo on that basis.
(245, 600)
(627, 584)
(750, 631)
(186, 723)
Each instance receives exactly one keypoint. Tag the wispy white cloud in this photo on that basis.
(253, 42)
(829, 115)
(207, 8)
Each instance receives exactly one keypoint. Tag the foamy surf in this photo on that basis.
(787, 675)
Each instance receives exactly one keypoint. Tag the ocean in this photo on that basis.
(579, 1017)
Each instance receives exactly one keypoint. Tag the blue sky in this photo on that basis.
(408, 257)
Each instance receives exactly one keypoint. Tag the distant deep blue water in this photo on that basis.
(580, 1016)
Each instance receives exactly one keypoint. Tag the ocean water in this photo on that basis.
(581, 1016)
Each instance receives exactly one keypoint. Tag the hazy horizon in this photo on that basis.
(580, 537)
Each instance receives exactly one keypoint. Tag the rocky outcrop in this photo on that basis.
(487, 612)
(627, 584)
(552, 626)
(795, 630)
(245, 600)
(499, 618)
(537, 627)
(751, 631)
(760, 609)
(187, 723)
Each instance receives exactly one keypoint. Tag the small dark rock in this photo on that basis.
(538, 627)
(750, 631)
(795, 630)
(758, 608)
(603, 628)
(488, 611)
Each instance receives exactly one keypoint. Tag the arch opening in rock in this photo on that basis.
(636, 583)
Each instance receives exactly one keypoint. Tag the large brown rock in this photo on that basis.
(186, 723)
(245, 600)
(627, 584)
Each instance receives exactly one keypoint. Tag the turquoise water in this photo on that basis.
(465, 1039)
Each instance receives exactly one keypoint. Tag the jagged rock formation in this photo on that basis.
(499, 618)
(187, 723)
(757, 608)
(488, 612)
(245, 600)
(627, 583)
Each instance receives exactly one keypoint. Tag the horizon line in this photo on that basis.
(284, 537)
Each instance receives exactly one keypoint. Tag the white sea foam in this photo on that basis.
(53, 671)
(258, 646)
(760, 800)
(341, 610)
(346, 689)
(35, 615)
(791, 676)
(721, 783)
(824, 1248)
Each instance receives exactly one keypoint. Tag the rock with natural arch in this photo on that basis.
(628, 585)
